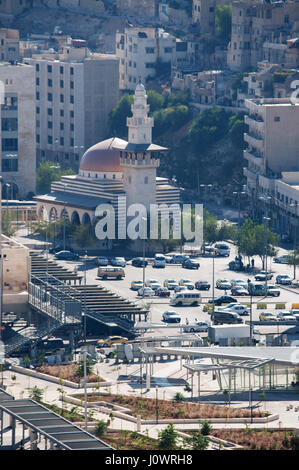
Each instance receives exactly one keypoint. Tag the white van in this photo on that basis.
(159, 261)
(223, 249)
(186, 298)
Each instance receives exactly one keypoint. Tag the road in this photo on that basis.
(159, 305)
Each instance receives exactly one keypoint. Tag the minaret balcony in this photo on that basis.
(141, 163)
(140, 121)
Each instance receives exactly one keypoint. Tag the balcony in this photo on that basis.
(254, 157)
(254, 140)
(250, 175)
(255, 123)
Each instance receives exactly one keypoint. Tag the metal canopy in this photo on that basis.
(205, 367)
(51, 425)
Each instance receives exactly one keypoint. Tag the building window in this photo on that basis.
(9, 145)
(61, 126)
(61, 70)
(49, 68)
(37, 81)
(37, 110)
(72, 99)
(50, 125)
(37, 95)
(37, 138)
(37, 67)
(50, 97)
(62, 113)
(72, 142)
(50, 112)
(61, 83)
(167, 50)
(276, 118)
(50, 82)
(149, 65)
(72, 85)
(9, 124)
(50, 139)
(72, 71)
(61, 99)
(62, 141)
(150, 50)
(9, 164)
(71, 114)
(72, 127)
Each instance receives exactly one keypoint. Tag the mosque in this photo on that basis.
(114, 172)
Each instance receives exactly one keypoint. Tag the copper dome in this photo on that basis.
(102, 157)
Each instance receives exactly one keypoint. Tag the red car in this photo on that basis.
(162, 292)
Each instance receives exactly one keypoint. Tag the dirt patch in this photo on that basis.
(146, 408)
(252, 439)
(127, 440)
(68, 372)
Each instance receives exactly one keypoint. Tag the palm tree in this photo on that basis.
(293, 259)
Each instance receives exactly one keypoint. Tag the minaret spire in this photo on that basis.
(140, 125)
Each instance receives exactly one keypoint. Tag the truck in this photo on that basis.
(236, 333)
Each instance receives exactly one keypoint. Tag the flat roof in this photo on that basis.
(76, 200)
(285, 355)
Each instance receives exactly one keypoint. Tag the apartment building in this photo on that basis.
(256, 22)
(17, 116)
(286, 54)
(75, 92)
(273, 158)
(139, 50)
(204, 14)
(9, 45)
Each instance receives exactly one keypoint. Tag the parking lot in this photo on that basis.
(205, 272)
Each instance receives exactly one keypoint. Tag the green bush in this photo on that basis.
(101, 428)
(206, 428)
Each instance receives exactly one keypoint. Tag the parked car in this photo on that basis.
(223, 284)
(239, 290)
(146, 292)
(196, 327)
(170, 283)
(159, 261)
(139, 262)
(223, 299)
(136, 285)
(169, 259)
(238, 282)
(262, 276)
(281, 259)
(235, 307)
(179, 259)
(179, 288)
(102, 261)
(221, 317)
(186, 283)
(171, 317)
(223, 249)
(112, 273)
(285, 315)
(190, 264)
(162, 292)
(267, 316)
(112, 340)
(202, 285)
(283, 279)
(67, 255)
(118, 261)
(153, 284)
(274, 291)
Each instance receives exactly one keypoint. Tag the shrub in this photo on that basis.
(101, 428)
(206, 428)
(167, 438)
(179, 397)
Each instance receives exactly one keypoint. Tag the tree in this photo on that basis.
(83, 236)
(293, 259)
(36, 393)
(45, 175)
(155, 100)
(167, 438)
(256, 239)
(118, 116)
(198, 442)
(80, 368)
(224, 21)
(179, 397)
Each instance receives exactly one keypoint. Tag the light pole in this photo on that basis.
(295, 204)
(266, 219)
(157, 408)
(143, 262)
(85, 268)
(55, 167)
(85, 354)
(240, 194)
(7, 186)
(213, 286)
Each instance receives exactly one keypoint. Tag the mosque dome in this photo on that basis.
(101, 157)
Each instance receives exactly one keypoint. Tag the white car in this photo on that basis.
(281, 259)
(171, 317)
(153, 284)
(273, 290)
(198, 326)
(283, 279)
(285, 315)
(170, 284)
(239, 282)
(234, 307)
(146, 292)
(179, 288)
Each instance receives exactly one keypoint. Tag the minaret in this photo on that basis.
(137, 157)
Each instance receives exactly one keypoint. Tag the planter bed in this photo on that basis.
(253, 439)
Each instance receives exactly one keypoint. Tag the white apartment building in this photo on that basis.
(273, 159)
(9, 45)
(75, 92)
(17, 116)
(204, 14)
(139, 49)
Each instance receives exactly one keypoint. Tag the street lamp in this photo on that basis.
(85, 268)
(295, 204)
(157, 408)
(239, 194)
(7, 187)
(265, 250)
(143, 263)
(85, 354)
